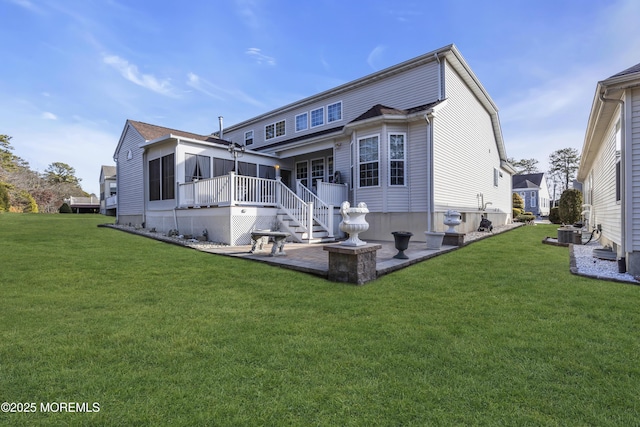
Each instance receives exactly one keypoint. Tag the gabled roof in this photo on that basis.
(630, 70)
(150, 132)
(602, 113)
(108, 171)
(530, 180)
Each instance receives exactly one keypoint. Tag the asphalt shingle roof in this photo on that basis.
(150, 132)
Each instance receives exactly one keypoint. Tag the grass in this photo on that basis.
(496, 333)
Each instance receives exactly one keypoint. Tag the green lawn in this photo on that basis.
(496, 333)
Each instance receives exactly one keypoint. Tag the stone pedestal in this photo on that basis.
(355, 265)
(453, 239)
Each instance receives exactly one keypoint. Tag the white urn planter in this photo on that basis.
(353, 223)
(452, 219)
(434, 239)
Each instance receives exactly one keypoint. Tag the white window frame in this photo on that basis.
(403, 160)
(306, 175)
(366, 137)
(314, 177)
(311, 125)
(269, 135)
(339, 104)
(306, 122)
(248, 140)
(275, 133)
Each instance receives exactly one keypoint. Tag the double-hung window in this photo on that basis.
(162, 178)
(317, 117)
(334, 112)
(196, 167)
(369, 161)
(302, 122)
(397, 159)
(248, 137)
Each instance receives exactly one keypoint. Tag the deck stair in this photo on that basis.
(299, 233)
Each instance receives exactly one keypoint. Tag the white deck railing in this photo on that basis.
(232, 189)
(322, 212)
(332, 194)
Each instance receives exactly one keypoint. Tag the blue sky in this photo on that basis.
(74, 71)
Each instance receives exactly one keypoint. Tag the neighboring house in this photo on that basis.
(534, 191)
(610, 165)
(108, 186)
(411, 141)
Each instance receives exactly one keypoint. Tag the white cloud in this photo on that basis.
(49, 116)
(260, 57)
(218, 92)
(131, 73)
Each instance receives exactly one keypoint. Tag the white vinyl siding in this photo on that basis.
(408, 89)
(605, 209)
(466, 147)
(634, 159)
(130, 174)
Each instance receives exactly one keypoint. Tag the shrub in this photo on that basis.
(570, 206)
(30, 205)
(65, 208)
(4, 198)
(554, 216)
(525, 217)
(518, 204)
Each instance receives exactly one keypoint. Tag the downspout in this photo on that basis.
(623, 170)
(430, 200)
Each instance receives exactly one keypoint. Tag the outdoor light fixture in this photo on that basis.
(236, 151)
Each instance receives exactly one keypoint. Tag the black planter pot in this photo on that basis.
(402, 243)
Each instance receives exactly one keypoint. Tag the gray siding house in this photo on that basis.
(534, 191)
(411, 141)
(610, 165)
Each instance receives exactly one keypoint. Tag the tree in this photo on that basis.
(524, 166)
(58, 173)
(569, 208)
(564, 164)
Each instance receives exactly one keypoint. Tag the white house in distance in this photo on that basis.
(610, 165)
(411, 141)
(108, 189)
(534, 191)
